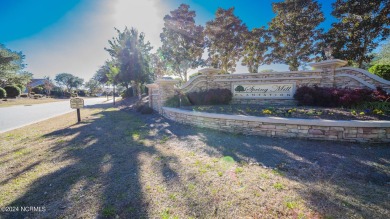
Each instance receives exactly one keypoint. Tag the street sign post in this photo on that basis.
(77, 103)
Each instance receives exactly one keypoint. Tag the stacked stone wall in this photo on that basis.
(352, 131)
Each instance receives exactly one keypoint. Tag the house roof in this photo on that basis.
(36, 82)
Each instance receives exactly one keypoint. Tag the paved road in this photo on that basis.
(19, 116)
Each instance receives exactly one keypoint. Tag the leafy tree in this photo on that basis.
(158, 65)
(11, 64)
(256, 45)
(224, 39)
(101, 73)
(93, 86)
(361, 26)
(48, 85)
(383, 57)
(130, 53)
(21, 77)
(382, 71)
(182, 41)
(294, 31)
(69, 81)
(77, 82)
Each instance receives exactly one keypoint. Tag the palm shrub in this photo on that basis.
(3, 93)
(12, 91)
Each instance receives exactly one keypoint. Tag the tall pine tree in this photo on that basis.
(295, 33)
(225, 39)
(256, 45)
(182, 41)
(361, 26)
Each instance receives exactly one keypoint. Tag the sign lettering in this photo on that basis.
(76, 103)
(264, 91)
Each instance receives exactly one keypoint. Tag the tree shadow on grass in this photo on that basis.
(97, 174)
(356, 175)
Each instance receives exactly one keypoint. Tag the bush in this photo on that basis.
(24, 95)
(3, 93)
(175, 101)
(36, 96)
(81, 93)
(210, 97)
(146, 110)
(38, 90)
(382, 71)
(336, 97)
(12, 91)
(127, 93)
(21, 87)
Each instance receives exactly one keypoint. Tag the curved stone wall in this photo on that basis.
(355, 131)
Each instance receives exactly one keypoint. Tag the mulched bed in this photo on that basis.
(292, 112)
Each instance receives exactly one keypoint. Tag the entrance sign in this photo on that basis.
(76, 103)
(264, 91)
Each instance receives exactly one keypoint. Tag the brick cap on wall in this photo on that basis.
(290, 121)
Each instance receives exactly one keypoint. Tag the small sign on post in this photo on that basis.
(77, 103)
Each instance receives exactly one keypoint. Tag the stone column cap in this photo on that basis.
(167, 81)
(333, 63)
(154, 85)
(210, 71)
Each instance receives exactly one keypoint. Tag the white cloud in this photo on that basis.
(76, 43)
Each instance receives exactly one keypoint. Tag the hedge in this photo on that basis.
(12, 91)
(3, 93)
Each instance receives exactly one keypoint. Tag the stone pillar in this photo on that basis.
(166, 90)
(328, 67)
(209, 73)
(151, 93)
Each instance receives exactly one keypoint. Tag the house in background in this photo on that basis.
(34, 83)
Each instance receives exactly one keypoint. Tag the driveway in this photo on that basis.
(19, 116)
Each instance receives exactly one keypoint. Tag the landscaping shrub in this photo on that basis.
(127, 93)
(382, 71)
(146, 110)
(36, 96)
(3, 93)
(336, 97)
(175, 101)
(194, 75)
(12, 91)
(21, 87)
(210, 97)
(38, 90)
(81, 93)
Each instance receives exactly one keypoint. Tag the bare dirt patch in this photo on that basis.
(119, 163)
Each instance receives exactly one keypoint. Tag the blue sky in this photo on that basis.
(70, 35)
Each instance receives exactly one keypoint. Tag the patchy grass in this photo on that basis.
(120, 164)
(27, 101)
